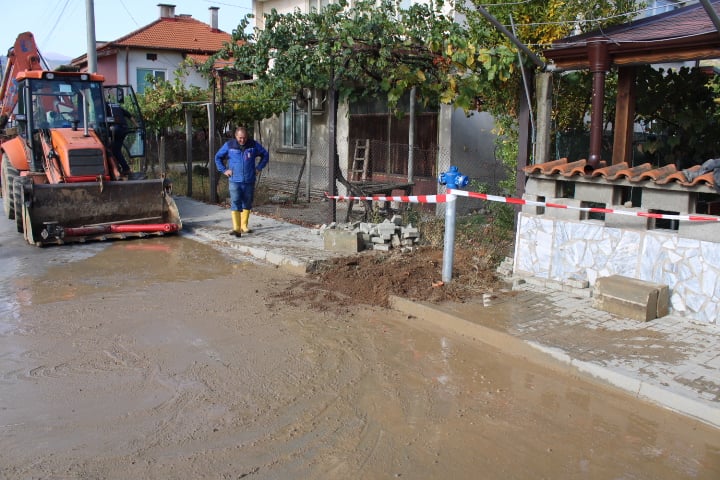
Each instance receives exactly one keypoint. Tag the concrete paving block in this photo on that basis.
(630, 297)
(395, 240)
(342, 241)
(386, 228)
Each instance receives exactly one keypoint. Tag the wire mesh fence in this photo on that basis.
(290, 174)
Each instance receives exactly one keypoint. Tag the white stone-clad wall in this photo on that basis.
(561, 250)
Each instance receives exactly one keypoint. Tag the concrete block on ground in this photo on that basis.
(386, 228)
(631, 298)
(409, 232)
(343, 241)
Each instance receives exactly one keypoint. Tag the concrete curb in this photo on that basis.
(274, 257)
(559, 360)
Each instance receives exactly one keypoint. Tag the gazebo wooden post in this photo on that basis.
(599, 66)
(624, 116)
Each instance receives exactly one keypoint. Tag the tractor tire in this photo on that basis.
(17, 203)
(8, 174)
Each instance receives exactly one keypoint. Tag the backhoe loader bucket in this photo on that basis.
(78, 212)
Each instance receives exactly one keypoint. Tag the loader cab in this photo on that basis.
(123, 112)
(54, 100)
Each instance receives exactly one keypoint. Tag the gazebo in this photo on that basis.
(685, 34)
(590, 218)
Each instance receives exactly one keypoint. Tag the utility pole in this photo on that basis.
(91, 43)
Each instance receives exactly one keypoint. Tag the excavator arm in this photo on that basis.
(23, 56)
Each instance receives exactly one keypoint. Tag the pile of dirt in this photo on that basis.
(370, 277)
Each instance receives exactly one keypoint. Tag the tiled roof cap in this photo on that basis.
(667, 174)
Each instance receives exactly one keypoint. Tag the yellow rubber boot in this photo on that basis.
(244, 219)
(236, 221)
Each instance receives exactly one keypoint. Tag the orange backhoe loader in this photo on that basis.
(61, 134)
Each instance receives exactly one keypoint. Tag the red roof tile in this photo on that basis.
(609, 170)
(546, 167)
(656, 174)
(182, 33)
(630, 172)
(678, 176)
(706, 178)
(665, 175)
(574, 168)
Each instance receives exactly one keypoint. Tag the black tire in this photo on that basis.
(8, 176)
(17, 200)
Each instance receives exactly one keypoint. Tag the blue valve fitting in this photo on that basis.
(453, 178)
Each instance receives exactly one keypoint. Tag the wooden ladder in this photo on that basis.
(359, 167)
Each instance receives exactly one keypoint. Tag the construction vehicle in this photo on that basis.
(60, 176)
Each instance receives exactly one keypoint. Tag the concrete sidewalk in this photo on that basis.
(669, 361)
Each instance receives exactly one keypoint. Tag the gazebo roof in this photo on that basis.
(679, 35)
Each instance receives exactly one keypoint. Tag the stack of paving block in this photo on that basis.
(356, 236)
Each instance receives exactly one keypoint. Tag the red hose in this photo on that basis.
(145, 227)
(121, 228)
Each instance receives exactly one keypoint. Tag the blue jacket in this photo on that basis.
(241, 159)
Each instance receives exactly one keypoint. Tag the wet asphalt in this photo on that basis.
(670, 361)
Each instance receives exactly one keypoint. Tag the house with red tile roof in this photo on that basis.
(158, 49)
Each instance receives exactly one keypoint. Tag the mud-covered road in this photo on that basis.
(163, 358)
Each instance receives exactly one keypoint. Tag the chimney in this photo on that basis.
(214, 17)
(166, 10)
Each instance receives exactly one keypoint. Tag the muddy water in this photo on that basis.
(166, 359)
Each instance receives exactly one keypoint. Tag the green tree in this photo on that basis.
(678, 108)
(536, 23)
(375, 49)
(371, 49)
(163, 102)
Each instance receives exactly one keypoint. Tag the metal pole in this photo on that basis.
(411, 137)
(188, 149)
(711, 13)
(91, 43)
(449, 242)
(211, 152)
(212, 169)
(332, 150)
(308, 164)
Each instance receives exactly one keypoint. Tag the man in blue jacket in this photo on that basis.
(237, 159)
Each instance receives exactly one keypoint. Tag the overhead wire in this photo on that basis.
(50, 32)
(127, 10)
(227, 5)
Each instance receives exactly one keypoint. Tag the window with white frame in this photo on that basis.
(142, 76)
(318, 5)
(294, 127)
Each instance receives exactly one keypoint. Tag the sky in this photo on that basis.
(60, 26)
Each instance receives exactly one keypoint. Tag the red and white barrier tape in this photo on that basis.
(520, 201)
(396, 198)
